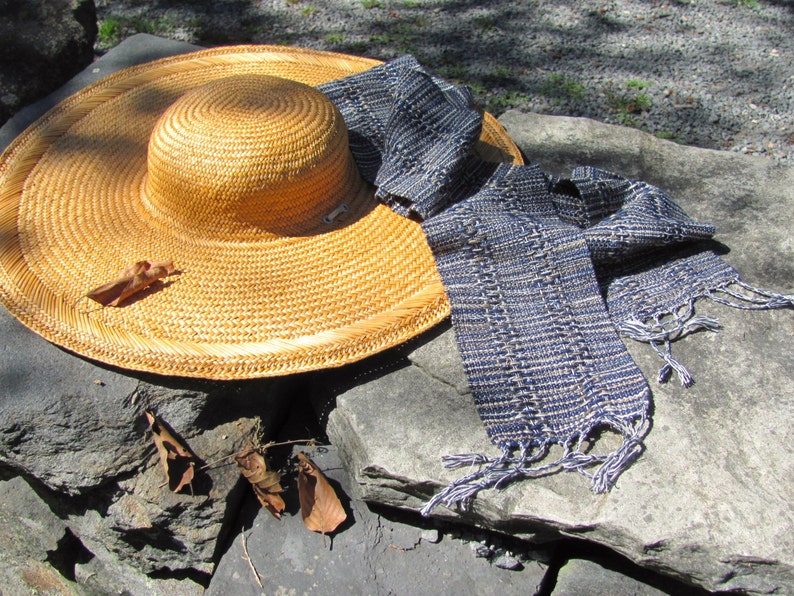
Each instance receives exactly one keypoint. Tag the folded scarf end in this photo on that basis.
(662, 329)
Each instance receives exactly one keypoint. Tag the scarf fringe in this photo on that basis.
(665, 328)
(497, 472)
(751, 298)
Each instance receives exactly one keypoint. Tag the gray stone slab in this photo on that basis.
(370, 554)
(30, 530)
(709, 501)
(40, 555)
(580, 576)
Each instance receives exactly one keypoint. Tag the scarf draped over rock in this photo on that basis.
(543, 275)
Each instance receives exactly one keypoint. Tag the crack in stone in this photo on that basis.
(428, 373)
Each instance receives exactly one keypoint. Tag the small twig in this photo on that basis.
(267, 446)
(260, 449)
(247, 557)
(217, 461)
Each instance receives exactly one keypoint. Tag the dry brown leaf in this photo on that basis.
(178, 462)
(265, 482)
(133, 279)
(320, 506)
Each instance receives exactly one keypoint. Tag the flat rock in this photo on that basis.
(371, 553)
(40, 554)
(30, 531)
(709, 501)
(580, 576)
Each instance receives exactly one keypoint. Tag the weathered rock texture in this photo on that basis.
(581, 576)
(709, 501)
(368, 554)
(77, 432)
(55, 37)
(40, 554)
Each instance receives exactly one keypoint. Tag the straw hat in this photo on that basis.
(229, 163)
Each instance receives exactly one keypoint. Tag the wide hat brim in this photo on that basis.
(70, 188)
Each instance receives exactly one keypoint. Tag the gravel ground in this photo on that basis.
(710, 73)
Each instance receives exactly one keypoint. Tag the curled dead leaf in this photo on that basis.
(133, 279)
(265, 482)
(177, 461)
(320, 506)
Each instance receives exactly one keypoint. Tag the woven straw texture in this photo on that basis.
(263, 286)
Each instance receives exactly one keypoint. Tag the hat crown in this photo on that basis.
(249, 156)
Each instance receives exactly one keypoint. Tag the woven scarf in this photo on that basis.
(543, 275)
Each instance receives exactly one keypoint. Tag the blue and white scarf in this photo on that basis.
(543, 275)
